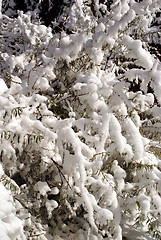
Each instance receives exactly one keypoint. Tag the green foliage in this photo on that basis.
(31, 138)
(10, 184)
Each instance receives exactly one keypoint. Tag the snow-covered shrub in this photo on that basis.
(76, 112)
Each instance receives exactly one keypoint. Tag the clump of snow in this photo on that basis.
(103, 216)
(144, 203)
(115, 132)
(143, 58)
(50, 206)
(54, 191)
(42, 188)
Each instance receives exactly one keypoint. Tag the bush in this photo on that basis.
(80, 121)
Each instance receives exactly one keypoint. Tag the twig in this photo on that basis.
(21, 202)
(70, 96)
(60, 172)
(36, 235)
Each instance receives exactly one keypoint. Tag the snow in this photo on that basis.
(50, 206)
(1, 170)
(76, 112)
(96, 55)
(3, 86)
(16, 61)
(42, 187)
(10, 226)
(136, 51)
(133, 133)
(115, 132)
(54, 191)
(3, 235)
(0, 9)
(144, 203)
(103, 216)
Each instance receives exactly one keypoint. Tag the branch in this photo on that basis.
(60, 172)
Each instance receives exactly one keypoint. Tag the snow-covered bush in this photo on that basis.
(80, 121)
